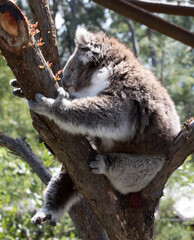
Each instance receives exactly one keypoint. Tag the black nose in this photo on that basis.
(67, 85)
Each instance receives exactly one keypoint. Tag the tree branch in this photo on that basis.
(142, 16)
(164, 8)
(22, 148)
(41, 12)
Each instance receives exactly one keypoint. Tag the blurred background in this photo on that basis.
(173, 64)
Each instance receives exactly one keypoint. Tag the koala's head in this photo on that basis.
(84, 61)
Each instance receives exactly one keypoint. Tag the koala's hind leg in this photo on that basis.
(127, 172)
(17, 91)
(60, 195)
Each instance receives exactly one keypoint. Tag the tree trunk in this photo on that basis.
(128, 217)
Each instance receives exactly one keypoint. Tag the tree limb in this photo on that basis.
(164, 8)
(41, 13)
(120, 216)
(127, 9)
(22, 148)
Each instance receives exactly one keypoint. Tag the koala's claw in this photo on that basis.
(14, 83)
(41, 217)
(98, 164)
(17, 91)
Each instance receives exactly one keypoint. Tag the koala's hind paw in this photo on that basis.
(42, 215)
(98, 164)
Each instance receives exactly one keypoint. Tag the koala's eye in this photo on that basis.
(71, 69)
(84, 48)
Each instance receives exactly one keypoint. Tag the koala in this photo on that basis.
(110, 97)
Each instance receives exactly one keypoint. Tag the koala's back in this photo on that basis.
(146, 101)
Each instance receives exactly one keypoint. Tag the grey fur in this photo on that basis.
(57, 202)
(121, 169)
(119, 104)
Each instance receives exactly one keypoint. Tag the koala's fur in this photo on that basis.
(120, 105)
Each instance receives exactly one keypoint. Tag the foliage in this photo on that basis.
(21, 190)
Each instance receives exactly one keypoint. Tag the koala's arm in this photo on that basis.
(98, 116)
(127, 172)
(60, 196)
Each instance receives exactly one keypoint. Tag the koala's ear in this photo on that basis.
(83, 37)
(86, 39)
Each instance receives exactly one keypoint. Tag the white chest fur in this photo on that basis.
(99, 81)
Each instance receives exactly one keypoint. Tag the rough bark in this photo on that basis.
(123, 217)
(144, 17)
(41, 13)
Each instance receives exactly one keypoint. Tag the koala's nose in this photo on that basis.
(69, 87)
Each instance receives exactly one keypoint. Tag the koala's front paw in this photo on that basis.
(98, 164)
(17, 91)
(43, 215)
(62, 93)
(42, 105)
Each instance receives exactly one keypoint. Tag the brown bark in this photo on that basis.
(142, 16)
(41, 13)
(123, 217)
